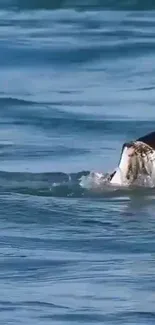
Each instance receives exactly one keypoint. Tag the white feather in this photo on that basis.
(136, 160)
(119, 177)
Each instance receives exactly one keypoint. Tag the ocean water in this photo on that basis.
(77, 80)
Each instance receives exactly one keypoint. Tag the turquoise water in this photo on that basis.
(77, 80)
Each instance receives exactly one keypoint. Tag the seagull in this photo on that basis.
(137, 160)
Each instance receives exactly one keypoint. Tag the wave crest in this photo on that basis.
(75, 185)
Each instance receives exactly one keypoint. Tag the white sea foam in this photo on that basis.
(97, 180)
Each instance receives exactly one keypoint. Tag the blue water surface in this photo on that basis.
(77, 80)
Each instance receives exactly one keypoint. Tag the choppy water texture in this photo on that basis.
(75, 83)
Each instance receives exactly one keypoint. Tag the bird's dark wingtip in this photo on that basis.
(149, 139)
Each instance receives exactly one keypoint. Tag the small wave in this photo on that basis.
(84, 184)
(63, 56)
(65, 116)
(11, 101)
(42, 184)
(77, 125)
(98, 4)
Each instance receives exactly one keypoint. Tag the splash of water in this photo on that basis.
(101, 181)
